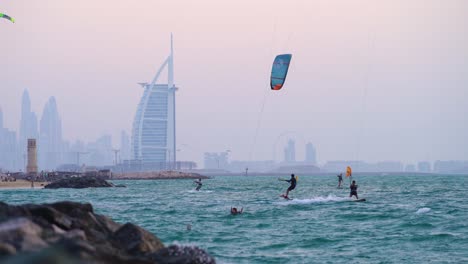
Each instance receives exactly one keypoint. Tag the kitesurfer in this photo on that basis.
(291, 187)
(340, 179)
(199, 184)
(234, 210)
(353, 188)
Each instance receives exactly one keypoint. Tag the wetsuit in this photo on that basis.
(340, 178)
(353, 190)
(293, 184)
(199, 184)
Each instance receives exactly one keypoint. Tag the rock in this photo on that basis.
(51, 215)
(70, 207)
(136, 240)
(22, 234)
(69, 232)
(7, 249)
(79, 183)
(182, 255)
(108, 223)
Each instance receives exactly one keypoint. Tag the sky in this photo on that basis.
(369, 80)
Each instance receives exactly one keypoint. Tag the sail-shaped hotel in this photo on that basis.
(153, 133)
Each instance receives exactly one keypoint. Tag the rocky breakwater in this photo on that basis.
(68, 232)
(80, 182)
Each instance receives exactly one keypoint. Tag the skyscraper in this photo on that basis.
(1, 118)
(50, 141)
(424, 166)
(8, 148)
(100, 151)
(290, 151)
(153, 133)
(310, 154)
(28, 125)
(124, 146)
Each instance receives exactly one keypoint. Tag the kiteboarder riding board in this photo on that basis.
(292, 181)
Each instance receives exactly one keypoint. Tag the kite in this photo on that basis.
(7, 17)
(279, 71)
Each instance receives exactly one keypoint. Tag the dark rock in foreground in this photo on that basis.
(79, 183)
(68, 232)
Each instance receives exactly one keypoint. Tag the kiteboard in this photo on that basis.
(285, 197)
(359, 200)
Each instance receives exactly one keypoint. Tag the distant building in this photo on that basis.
(339, 166)
(214, 160)
(28, 124)
(50, 141)
(424, 166)
(32, 157)
(99, 153)
(139, 166)
(451, 166)
(310, 154)
(361, 166)
(9, 159)
(290, 152)
(410, 168)
(302, 169)
(124, 146)
(153, 133)
(75, 153)
(389, 166)
(239, 166)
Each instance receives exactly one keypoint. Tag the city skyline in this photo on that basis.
(102, 147)
(374, 81)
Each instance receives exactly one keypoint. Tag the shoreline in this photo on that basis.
(21, 184)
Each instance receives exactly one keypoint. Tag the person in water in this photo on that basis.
(353, 188)
(234, 211)
(291, 187)
(199, 184)
(340, 179)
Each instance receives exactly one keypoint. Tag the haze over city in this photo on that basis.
(368, 80)
(249, 131)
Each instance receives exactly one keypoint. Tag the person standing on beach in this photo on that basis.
(340, 179)
(353, 188)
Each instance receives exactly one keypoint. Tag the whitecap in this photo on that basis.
(317, 199)
(200, 191)
(423, 210)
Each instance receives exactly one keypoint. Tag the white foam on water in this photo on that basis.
(200, 191)
(423, 210)
(318, 199)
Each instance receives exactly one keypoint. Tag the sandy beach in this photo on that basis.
(21, 184)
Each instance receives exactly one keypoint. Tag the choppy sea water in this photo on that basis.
(406, 219)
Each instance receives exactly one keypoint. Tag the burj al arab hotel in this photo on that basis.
(153, 132)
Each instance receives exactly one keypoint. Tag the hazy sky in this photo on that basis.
(374, 80)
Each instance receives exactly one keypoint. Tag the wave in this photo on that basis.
(200, 191)
(423, 210)
(318, 199)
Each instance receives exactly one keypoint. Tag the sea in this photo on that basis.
(405, 219)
